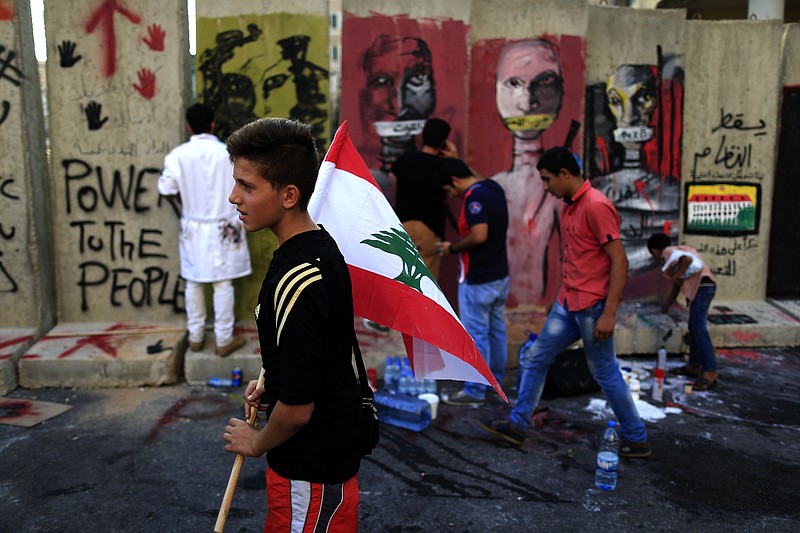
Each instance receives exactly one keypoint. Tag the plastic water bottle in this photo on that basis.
(397, 372)
(403, 411)
(388, 374)
(219, 382)
(404, 385)
(608, 459)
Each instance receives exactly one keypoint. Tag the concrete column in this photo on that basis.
(729, 149)
(634, 68)
(27, 297)
(117, 84)
(256, 44)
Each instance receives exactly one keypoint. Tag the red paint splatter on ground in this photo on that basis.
(736, 355)
(16, 409)
(221, 407)
(745, 336)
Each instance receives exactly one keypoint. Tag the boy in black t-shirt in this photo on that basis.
(305, 327)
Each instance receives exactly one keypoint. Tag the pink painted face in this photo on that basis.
(529, 87)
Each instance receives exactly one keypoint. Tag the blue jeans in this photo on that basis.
(560, 330)
(701, 351)
(481, 308)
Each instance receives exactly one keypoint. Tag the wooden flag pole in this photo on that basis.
(235, 472)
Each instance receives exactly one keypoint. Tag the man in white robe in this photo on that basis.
(213, 246)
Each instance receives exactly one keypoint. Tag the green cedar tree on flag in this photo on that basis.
(391, 284)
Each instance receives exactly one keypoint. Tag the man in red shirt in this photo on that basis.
(594, 271)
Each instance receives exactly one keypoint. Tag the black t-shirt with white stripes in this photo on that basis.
(305, 328)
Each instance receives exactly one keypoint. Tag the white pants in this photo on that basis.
(223, 311)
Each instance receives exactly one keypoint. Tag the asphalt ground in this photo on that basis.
(151, 459)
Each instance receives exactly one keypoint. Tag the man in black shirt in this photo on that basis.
(417, 189)
(305, 327)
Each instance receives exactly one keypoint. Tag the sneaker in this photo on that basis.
(462, 398)
(634, 449)
(197, 346)
(504, 429)
(226, 349)
(374, 327)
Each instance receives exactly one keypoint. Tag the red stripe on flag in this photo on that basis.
(345, 156)
(406, 310)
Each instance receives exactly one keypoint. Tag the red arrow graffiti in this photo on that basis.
(104, 16)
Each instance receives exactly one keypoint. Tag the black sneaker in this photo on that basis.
(504, 429)
(636, 450)
(462, 398)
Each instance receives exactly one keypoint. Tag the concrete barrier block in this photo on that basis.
(200, 366)
(104, 355)
(13, 342)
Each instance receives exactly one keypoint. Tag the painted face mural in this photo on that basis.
(631, 98)
(523, 102)
(634, 158)
(400, 84)
(529, 87)
(400, 93)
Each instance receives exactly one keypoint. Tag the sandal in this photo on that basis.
(704, 384)
(684, 371)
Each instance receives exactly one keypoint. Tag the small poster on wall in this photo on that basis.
(728, 209)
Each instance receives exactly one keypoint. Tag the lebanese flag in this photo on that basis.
(391, 284)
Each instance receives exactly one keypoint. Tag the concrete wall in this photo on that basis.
(634, 71)
(244, 48)
(733, 87)
(26, 263)
(117, 82)
(527, 79)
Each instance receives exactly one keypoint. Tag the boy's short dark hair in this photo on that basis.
(556, 158)
(282, 150)
(658, 241)
(200, 118)
(435, 132)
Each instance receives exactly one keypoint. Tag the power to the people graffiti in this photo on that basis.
(12, 243)
(527, 96)
(396, 73)
(253, 66)
(634, 153)
(115, 92)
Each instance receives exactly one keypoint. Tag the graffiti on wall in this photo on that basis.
(728, 209)
(727, 183)
(6, 9)
(11, 78)
(115, 251)
(264, 65)
(396, 73)
(634, 154)
(527, 96)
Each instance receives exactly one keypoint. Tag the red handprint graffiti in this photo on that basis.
(155, 37)
(147, 83)
(6, 11)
